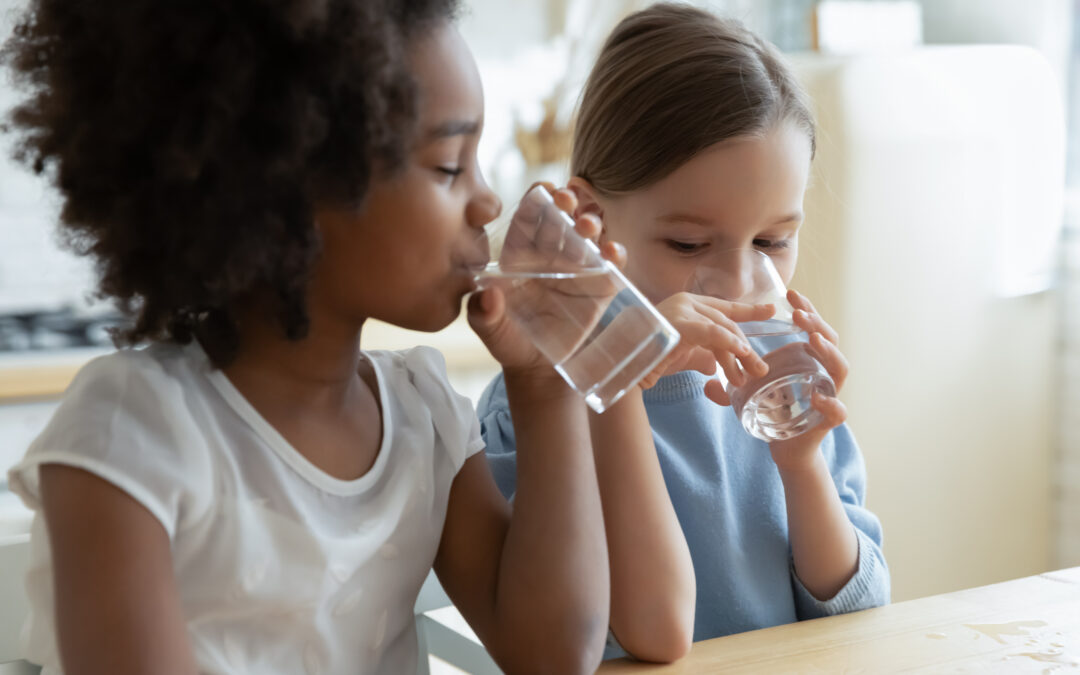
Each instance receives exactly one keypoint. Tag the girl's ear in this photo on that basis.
(587, 198)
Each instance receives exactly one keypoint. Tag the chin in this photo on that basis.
(432, 319)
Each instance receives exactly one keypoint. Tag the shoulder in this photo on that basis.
(422, 369)
(153, 365)
(134, 406)
(417, 381)
(132, 418)
(140, 384)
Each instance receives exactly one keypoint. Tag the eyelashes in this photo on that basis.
(690, 247)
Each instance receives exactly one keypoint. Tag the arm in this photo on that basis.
(653, 591)
(533, 583)
(653, 588)
(869, 585)
(117, 608)
(841, 568)
(824, 548)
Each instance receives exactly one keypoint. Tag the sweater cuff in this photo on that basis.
(851, 597)
(612, 648)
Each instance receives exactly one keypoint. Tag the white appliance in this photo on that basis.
(930, 243)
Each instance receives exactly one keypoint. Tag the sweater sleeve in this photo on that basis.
(869, 587)
(497, 430)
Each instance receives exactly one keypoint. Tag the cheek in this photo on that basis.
(656, 275)
(649, 264)
(785, 265)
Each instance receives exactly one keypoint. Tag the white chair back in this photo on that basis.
(14, 562)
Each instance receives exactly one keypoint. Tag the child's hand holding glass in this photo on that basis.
(711, 337)
(794, 396)
(823, 345)
(552, 296)
(488, 315)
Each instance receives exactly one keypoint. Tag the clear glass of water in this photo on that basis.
(775, 406)
(577, 308)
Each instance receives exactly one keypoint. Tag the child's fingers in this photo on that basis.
(546, 184)
(813, 323)
(800, 301)
(485, 311)
(565, 199)
(715, 392)
(750, 360)
(736, 311)
(831, 408)
(672, 363)
(729, 351)
(714, 338)
(615, 252)
(732, 371)
(701, 360)
(588, 225)
(831, 357)
(573, 249)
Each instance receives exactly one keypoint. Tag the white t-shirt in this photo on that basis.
(281, 568)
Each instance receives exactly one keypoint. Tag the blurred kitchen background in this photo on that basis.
(934, 242)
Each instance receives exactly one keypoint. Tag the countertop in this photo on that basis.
(34, 375)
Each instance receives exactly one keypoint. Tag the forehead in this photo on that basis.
(742, 177)
(446, 75)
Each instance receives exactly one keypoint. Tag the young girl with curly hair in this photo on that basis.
(249, 491)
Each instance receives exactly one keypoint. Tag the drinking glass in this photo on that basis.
(775, 406)
(577, 308)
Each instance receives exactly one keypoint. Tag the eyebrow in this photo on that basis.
(679, 217)
(685, 218)
(794, 217)
(453, 128)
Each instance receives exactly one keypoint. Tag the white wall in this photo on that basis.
(34, 271)
(924, 160)
(1045, 25)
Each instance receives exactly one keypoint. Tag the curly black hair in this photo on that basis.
(191, 139)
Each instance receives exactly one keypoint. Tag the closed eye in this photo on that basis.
(774, 244)
(684, 246)
(450, 170)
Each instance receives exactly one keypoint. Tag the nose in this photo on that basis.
(728, 276)
(484, 207)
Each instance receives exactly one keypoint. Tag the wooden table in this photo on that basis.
(1029, 625)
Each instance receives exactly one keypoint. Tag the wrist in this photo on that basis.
(795, 466)
(539, 383)
(628, 404)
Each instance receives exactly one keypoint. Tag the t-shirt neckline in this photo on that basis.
(285, 450)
